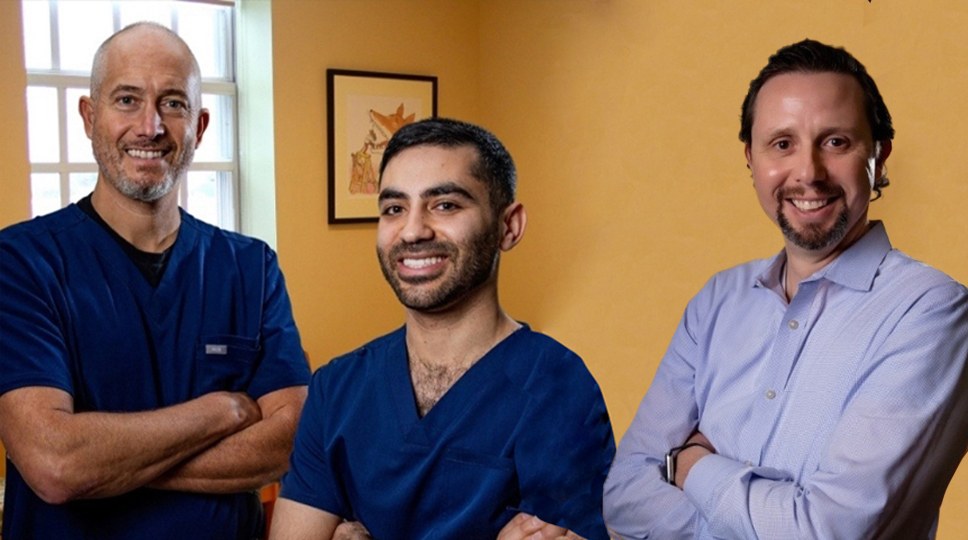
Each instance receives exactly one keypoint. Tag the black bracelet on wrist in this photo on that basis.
(673, 454)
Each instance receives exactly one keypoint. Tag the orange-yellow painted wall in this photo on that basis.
(14, 178)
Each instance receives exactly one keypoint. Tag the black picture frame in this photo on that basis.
(364, 109)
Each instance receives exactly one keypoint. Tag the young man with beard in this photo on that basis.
(464, 423)
(822, 393)
(151, 374)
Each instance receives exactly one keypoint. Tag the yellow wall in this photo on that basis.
(14, 178)
(622, 116)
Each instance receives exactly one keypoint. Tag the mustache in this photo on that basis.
(422, 248)
(824, 190)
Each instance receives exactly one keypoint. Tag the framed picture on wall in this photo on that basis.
(364, 109)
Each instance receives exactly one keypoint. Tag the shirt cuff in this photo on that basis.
(706, 478)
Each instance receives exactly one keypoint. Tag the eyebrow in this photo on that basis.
(447, 188)
(132, 89)
(126, 89)
(777, 132)
(837, 127)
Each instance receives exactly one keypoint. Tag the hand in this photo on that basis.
(241, 407)
(688, 457)
(526, 526)
(351, 530)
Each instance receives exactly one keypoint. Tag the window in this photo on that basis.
(61, 37)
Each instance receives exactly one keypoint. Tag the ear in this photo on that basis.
(747, 155)
(202, 125)
(883, 151)
(513, 222)
(86, 107)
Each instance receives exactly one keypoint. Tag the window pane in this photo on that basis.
(82, 184)
(205, 28)
(84, 24)
(155, 11)
(78, 145)
(42, 124)
(37, 26)
(203, 195)
(44, 193)
(218, 141)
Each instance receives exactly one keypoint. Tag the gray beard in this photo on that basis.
(141, 193)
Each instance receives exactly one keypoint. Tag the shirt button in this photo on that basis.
(770, 394)
(749, 463)
(793, 325)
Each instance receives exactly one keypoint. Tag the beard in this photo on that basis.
(110, 159)
(472, 265)
(143, 192)
(812, 237)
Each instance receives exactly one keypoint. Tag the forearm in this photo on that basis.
(245, 460)
(881, 469)
(95, 454)
(292, 520)
(639, 503)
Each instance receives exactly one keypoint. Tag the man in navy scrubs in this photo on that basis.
(151, 374)
(464, 423)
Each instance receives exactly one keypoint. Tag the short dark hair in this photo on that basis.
(494, 165)
(809, 56)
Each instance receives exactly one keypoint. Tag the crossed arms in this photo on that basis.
(874, 465)
(220, 442)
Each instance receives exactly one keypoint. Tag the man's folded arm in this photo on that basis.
(64, 455)
(639, 503)
(247, 459)
(890, 456)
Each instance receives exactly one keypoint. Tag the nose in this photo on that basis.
(149, 122)
(416, 228)
(811, 166)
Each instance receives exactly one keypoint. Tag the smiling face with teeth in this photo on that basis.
(438, 240)
(813, 159)
(144, 116)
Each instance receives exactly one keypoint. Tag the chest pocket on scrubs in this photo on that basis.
(226, 363)
(489, 478)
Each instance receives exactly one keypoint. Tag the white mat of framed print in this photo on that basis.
(364, 110)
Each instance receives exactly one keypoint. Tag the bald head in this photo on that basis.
(140, 35)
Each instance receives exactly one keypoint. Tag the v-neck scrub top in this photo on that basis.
(524, 429)
(77, 314)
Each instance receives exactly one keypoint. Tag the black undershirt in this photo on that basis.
(151, 265)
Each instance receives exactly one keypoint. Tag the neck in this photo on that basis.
(459, 335)
(148, 226)
(801, 263)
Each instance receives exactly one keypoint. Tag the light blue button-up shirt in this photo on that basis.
(843, 414)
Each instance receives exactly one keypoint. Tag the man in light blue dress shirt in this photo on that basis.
(821, 393)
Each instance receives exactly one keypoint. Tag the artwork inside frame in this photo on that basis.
(364, 109)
